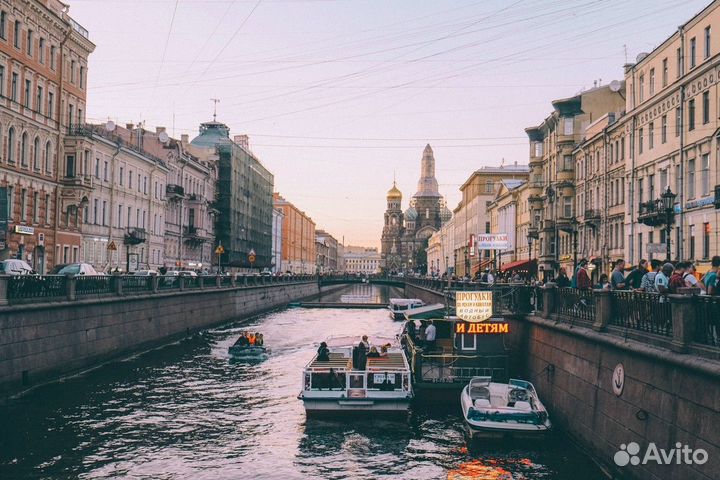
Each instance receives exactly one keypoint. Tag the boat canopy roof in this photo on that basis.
(351, 341)
(404, 301)
(436, 311)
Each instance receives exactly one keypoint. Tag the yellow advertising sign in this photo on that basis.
(474, 306)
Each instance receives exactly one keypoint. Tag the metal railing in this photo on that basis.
(25, 289)
(33, 288)
(647, 312)
(707, 318)
(575, 304)
(93, 285)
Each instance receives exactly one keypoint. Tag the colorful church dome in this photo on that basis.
(394, 193)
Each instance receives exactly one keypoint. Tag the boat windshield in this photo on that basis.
(531, 418)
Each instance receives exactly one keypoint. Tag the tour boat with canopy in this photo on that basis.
(497, 410)
(400, 306)
(348, 383)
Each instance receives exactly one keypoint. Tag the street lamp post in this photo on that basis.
(668, 199)
(447, 260)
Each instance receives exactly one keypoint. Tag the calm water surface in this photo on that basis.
(187, 411)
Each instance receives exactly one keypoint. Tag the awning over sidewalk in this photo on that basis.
(529, 265)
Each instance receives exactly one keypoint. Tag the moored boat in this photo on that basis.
(498, 410)
(400, 306)
(347, 382)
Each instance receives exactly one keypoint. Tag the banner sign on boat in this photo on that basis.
(474, 306)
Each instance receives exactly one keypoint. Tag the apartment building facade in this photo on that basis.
(298, 238)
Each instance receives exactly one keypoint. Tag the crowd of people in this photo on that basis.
(424, 337)
(652, 276)
(360, 353)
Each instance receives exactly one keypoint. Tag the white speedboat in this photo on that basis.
(345, 383)
(493, 410)
(399, 306)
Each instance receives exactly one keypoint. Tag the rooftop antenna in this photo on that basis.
(215, 102)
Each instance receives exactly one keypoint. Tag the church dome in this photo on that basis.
(394, 193)
(411, 214)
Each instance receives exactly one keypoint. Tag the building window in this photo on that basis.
(706, 240)
(130, 179)
(706, 107)
(72, 71)
(692, 242)
(705, 174)
(489, 186)
(2, 80)
(51, 98)
(28, 47)
(663, 179)
(567, 207)
(693, 49)
(41, 51)
(70, 166)
(622, 148)
(16, 34)
(640, 141)
(651, 187)
(82, 77)
(665, 72)
(28, 87)
(691, 114)
(23, 204)
(119, 220)
(36, 207)
(707, 42)
(11, 201)
(691, 178)
(48, 148)
(38, 100)
(47, 209)
(104, 211)
(641, 88)
(14, 87)
(52, 56)
(23, 150)
(568, 126)
(663, 129)
(678, 55)
(122, 181)
(36, 154)
(651, 135)
(652, 81)
(3, 25)
(105, 172)
(97, 168)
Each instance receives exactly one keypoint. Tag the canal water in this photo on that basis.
(187, 411)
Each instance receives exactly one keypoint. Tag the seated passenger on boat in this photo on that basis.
(259, 340)
(373, 353)
(243, 340)
(384, 350)
(323, 353)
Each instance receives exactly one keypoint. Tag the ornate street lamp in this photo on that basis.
(668, 201)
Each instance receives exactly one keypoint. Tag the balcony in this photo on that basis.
(566, 224)
(78, 181)
(135, 236)
(548, 225)
(194, 198)
(652, 213)
(717, 196)
(533, 233)
(193, 235)
(592, 217)
(174, 192)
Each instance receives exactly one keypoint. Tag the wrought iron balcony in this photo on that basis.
(652, 213)
(174, 192)
(192, 234)
(533, 233)
(135, 236)
(195, 198)
(592, 216)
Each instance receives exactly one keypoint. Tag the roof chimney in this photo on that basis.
(159, 130)
(243, 141)
(129, 126)
(184, 138)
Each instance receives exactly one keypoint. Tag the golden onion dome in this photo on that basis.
(394, 193)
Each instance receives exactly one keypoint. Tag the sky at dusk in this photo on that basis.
(337, 96)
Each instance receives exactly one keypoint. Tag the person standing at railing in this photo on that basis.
(634, 278)
(617, 279)
(710, 280)
(583, 278)
(662, 280)
(647, 284)
(563, 281)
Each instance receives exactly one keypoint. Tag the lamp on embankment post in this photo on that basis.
(668, 200)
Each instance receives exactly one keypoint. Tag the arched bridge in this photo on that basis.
(350, 279)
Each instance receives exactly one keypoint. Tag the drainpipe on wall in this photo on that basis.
(632, 205)
(681, 193)
(112, 206)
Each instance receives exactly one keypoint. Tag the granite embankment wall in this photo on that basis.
(40, 342)
(666, 397)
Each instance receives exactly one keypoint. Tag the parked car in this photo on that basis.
(145, 273)
(266, 272)
(15, 267)
(187, 273)
(75, 269)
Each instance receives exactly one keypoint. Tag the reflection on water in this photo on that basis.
(363, 293)
(187, 412)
